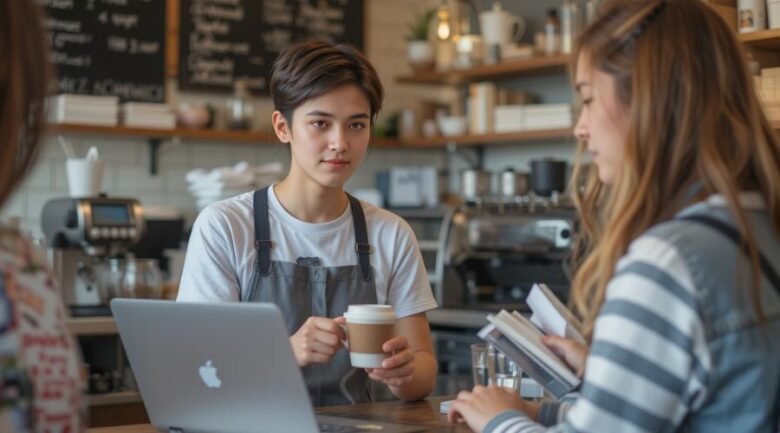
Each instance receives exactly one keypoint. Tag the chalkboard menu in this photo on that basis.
(222, 41)
(109, 47)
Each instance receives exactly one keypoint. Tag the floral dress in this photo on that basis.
(41, 380)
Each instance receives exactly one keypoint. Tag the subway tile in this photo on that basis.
(60, 178)
(136, 180)
(115, 149)
(171, 152)
(212, 155)
(15, 206)
(246, 152)
(36, 199)
(182, 201)
(153, 199)
(276, 152)
(175, 177)
(41, 175)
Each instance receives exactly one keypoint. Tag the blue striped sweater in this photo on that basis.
(676, 345)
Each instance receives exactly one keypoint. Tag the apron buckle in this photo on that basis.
(258, 244)
(363, 248)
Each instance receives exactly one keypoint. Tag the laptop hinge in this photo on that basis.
(175, 430)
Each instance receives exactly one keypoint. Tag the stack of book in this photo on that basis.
(84, 109)
(520, 339)
(147, 115)
(768, 88)
(516, 118)
(483, 101)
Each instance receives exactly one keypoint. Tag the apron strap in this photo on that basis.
(731, 233)
(362, 247)
(263, 241)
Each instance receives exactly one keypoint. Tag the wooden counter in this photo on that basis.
(420, 413)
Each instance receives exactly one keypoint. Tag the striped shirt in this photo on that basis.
(651, 364)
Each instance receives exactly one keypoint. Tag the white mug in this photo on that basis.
(85, 177)
(499, 27)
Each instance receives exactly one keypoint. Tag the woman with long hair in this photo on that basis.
(678, 288)
(40, 371)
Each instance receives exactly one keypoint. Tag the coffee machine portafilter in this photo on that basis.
(81, 234)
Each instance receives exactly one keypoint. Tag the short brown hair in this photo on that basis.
(312, 68)
(24, 79)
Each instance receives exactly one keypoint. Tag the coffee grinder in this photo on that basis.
(81, 234)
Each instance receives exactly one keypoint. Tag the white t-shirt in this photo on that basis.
(221, 254)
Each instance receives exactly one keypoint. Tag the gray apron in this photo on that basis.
(302, 291)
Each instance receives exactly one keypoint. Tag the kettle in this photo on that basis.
(499, 27)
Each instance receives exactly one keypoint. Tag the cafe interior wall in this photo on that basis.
(127, 159)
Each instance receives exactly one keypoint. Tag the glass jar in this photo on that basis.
(239, 107)
(111, 281)
(142, 279)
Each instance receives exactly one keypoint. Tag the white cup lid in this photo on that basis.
(370, 313)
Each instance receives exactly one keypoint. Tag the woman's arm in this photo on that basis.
(648, 362)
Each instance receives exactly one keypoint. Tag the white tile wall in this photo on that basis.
(128, 158)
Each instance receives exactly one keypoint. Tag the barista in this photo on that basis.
(312, 249)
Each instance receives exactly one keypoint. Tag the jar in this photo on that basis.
(239, 108)
(111, 281)
(751, 15)
(142, 279)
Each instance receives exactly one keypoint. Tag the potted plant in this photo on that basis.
(419, 50)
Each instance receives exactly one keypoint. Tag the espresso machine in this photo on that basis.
(81, 234)
(495, 250)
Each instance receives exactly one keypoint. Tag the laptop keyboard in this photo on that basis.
(333, 428)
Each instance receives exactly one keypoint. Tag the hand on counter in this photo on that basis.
(398, 369)
(482, 404)
(317, 340)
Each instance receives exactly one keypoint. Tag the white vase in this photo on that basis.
(420, 54)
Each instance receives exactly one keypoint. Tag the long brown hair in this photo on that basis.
(694, 119)
(24, 79)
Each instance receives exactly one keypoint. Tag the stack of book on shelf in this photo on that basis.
(148, 115)
(520, 339)
(516, 118)
(84, 109)
(768, 88)
(482, 102)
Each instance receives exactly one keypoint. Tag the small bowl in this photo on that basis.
(452, 125)
(193, 116)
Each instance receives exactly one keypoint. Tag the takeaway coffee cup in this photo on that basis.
(368, 328)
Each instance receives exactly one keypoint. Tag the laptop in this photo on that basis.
(221, 367)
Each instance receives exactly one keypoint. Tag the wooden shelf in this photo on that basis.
(253, 137)
(268, 137)
(766, 39)
(503, 138)
(121, 397)
(195, 134)
(85, 326)
(506, 70)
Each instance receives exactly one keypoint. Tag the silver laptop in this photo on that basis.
(204, 368)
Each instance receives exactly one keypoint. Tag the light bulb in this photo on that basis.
(443, 30)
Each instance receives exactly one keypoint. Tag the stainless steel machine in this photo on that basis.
(489, 254)
(82, 234)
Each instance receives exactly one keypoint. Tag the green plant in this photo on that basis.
(418, 29)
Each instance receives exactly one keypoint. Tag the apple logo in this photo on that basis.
(208, 374)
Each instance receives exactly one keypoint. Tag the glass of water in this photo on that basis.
(491, 367)
(508, 374)
(483, 363)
